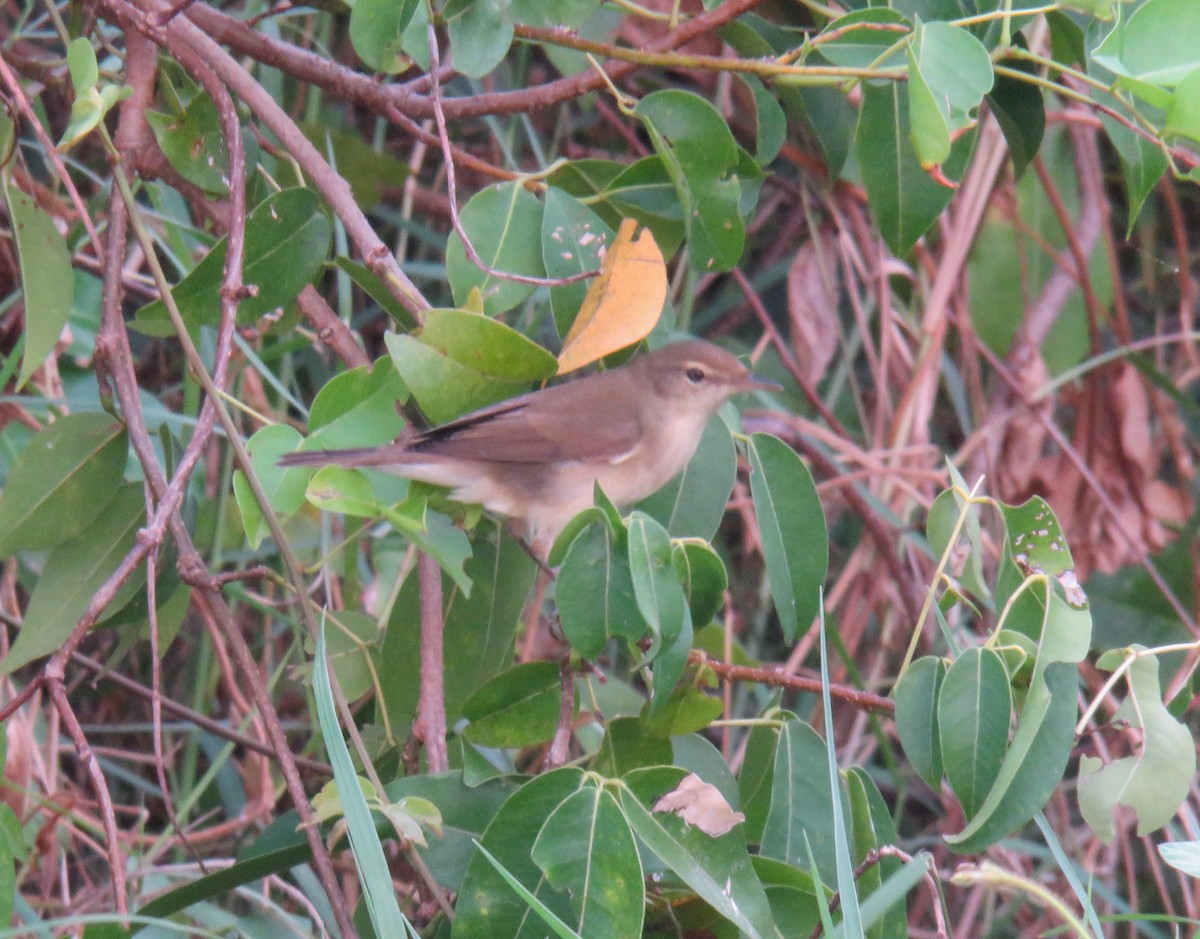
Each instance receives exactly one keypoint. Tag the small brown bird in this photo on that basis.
(536, 458)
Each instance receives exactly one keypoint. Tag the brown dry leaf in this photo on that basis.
(812, 306)
(700, 804)
(622, 304)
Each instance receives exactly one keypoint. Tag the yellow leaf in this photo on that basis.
(623, 303)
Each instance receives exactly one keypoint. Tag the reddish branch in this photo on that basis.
(778, 678)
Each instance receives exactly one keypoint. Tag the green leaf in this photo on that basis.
(628, 744)
(574, 239)
(801, 817)
(595, 594)
(916, 697)
(1020, 110)
(342, 490)
(47, 282)
(459, 362)
(81, 62)
(438, 537)
(1035, 538)
(377, 32)
(516, 708)
(479, 630)
(700, 154)
(1155, 782)
(1038, 753)
(480, 33)
(795, 540)
(1142, 165)
(655, 585)
(1183, 116)
(504, 224)
(374, 288)
(693, 503)
(718, 869)
(284, 488)
(194, 144)
(874, 829)
(704, 578)
(1182, 855)
(903, 198)
(287, 240)
(60, 482)
(974, 710)
(861, 38)
(1158, 44)
(586, 849)
(949, 72)
(770, 121)
(368, 170)
(357, 408)
(72, 574)
(487, 905)
(352, 650)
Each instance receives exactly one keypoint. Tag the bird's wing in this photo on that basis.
(543, 427)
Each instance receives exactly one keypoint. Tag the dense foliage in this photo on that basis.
(909, 647)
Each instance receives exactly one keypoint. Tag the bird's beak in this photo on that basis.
(754, 382)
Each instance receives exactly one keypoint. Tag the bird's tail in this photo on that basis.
(359, 456)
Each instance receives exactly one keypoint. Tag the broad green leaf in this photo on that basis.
(628, 744)
(517, 708)
(193, 143)
(704, 578)
(480, 33)
(1155, 782)
(466, 812)
(1036, 539)
(486, 905)
(81, 63)
(1183, 116)
(374, 288)
(916, 696)
(719, 869)
(801, 816)
(949, 72)
(47, 283)
(903, 198)
(1182, 855)
(284, 487)
(1041, 746)
(655, 585)
(943, 517)
(770, 121)
(1020, 110)
(357, 408)
(587, 849)
(974, 710)
(504, 224)
(459, 362)
(795, 540)
(342, 490)
(72, 574)
(479, 631)
(670, 661)
(874, 829)
(574, 239)
(862, 37)
(1142, 165)
(369, 170)
(693, 503)
(377, 32)
(438, 537)
(352, 643)
(287, 240)
(61, 482)
(700, 155)
(756, 779)
(595, 594)
(1158, 44)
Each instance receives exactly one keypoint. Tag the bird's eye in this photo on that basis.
(695, 375)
